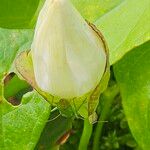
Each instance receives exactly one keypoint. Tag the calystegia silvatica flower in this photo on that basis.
(69, 57)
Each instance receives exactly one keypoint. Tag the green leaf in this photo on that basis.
(11, 41)
(125, 27)
(17, 13)
(133, 76)
(94, 9)
(10, 90)
(22, 125)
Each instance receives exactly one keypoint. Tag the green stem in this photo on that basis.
(86, 134)
(108, 98)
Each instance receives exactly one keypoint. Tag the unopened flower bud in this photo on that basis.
(69, 58)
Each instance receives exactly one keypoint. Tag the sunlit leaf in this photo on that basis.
(125, 27)
(22, 125)
(11, 41)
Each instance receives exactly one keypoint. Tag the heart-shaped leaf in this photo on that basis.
(133, 76)
(21, 126)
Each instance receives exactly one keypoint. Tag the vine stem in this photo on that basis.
(86, 134)
(108, 97)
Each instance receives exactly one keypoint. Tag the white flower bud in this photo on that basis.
(68, 56)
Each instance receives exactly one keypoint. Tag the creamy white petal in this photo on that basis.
(68, 56)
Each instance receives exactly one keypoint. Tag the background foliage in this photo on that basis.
(126, 27)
